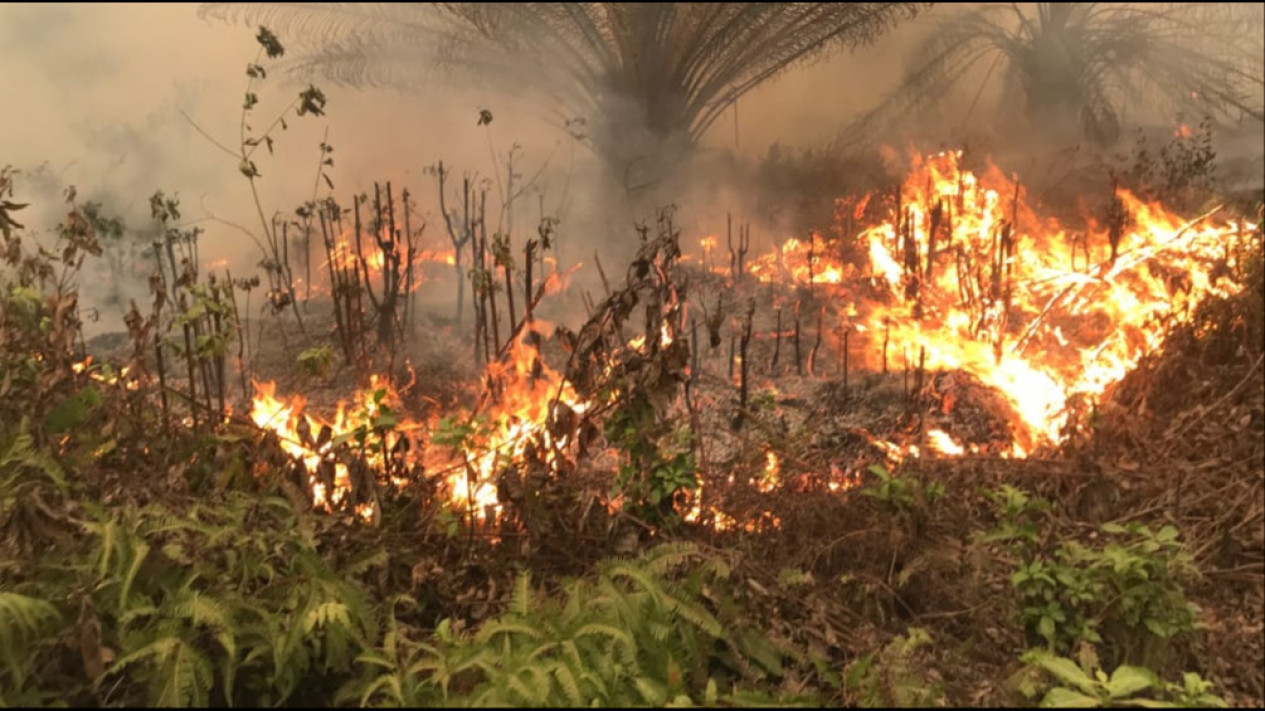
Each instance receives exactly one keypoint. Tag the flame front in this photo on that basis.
(963, 276)
(522, 397)
(969, 278)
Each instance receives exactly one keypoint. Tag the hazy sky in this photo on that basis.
(96, 90)
(95, 94)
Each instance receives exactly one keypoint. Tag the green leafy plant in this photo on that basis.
(660, 465)
(316, 361)
(1127, 594)
(1018, 515)
(232, 609)
(900, 493)
(1087, 686)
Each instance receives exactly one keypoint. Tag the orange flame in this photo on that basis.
(969, 275)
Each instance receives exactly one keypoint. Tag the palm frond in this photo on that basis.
(664, 69)
(1089, 61)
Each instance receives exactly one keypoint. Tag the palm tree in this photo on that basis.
(648, 78)
(1077, 66)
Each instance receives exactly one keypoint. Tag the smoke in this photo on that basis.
(124, 100)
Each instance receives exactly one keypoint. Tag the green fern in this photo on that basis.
(23, 454)
(634, 636)
(23, 620)
(182, 677)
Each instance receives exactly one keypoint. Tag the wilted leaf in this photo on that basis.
(270, 43)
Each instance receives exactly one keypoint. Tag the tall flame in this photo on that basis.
(971, 279)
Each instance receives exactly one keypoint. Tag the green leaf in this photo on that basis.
(1061, 698)
(1129, 680)
(71, 412)
(858, 670)
(142, 550)
(1045, 628)
(1066, 671)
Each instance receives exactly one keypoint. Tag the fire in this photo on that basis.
(709, 260)
(800, 262)
(772, 475)
(522, 399)
(970, 278)
(371, 261)
(106, 375)
(963, 276)
(312, 440)
(528, 396)
(283, 419)
(941, 442)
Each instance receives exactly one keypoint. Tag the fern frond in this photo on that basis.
(160, 648)
(109, 532)
(22, 621)
(598, 680)
(366, 561)
(653, 692)
(624, 640)
(696, 615)
(573, 653)
(138, 612)
(567, 682)
(659, 631)
(521, 604)
(367, 695)
(667, 557)
(202, 610)
(647, 580)
(502, 627)
(376, 659)
(22, 616)
(326, 614)
(140, 551)
(185, 680)
(179, 675)
(543, 650)
(23, 454)
(526, 694)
